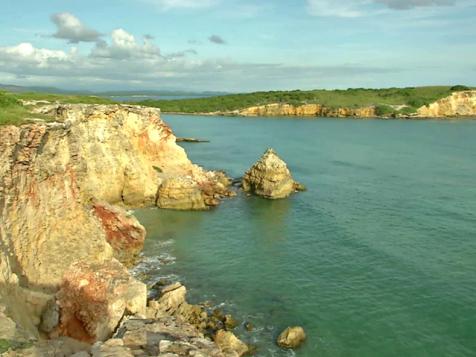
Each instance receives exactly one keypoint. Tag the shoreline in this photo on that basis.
(69, 283)
(313, 117)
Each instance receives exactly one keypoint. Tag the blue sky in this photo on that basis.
(231, 45)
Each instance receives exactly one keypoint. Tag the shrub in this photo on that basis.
(384, 110)
(459, 88)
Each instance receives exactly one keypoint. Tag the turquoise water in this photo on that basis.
(377, 258)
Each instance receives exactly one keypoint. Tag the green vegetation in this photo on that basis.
(459, 88)
(5, 345)
(13, 112)
(409, 99)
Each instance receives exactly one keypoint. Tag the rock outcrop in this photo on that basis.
(316, 110)
(270, 178)
(167, 330)
(94, 297)
(60, 183)
(292, 337)
(458, 104)
(123, 231)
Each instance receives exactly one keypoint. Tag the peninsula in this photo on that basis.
(411, 102)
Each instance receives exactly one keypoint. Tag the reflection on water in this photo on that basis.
(270, 217)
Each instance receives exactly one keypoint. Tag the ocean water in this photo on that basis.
(377, 258)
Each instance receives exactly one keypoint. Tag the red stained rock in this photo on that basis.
(123, 231)
(94, 297)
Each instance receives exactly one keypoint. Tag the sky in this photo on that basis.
(237, 45)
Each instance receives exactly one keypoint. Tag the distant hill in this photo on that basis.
(119, 93)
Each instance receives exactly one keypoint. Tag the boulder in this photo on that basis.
(270, 178)
(123, 232)
(94, 297)
(230, 344)
(167, 336)
(180, 193)
(292, 337)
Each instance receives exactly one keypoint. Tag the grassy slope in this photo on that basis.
(13, 112)
(351, 98)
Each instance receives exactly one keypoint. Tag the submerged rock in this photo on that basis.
(292, 337)
(270, 178)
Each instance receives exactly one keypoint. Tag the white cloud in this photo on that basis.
(174, 4)
(124, 45)
(28, 54)
(349, 8)
(70, 28)
(409, 4)
(357, 8)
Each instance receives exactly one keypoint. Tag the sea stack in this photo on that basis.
(270, 178)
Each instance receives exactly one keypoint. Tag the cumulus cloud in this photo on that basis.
(409, 4)
(27, 54)
(146, 67)
(69, 27)
(357, 8)
(173, 4)
(123, 46)
(217, 40)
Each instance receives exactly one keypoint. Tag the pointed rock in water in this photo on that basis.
(270, 178)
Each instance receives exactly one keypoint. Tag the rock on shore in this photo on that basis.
(458, 104)
(270, 178)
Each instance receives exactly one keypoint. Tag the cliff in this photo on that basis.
(278, 109)
(57, 183)
(459, 104)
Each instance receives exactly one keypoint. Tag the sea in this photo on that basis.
(376, 258)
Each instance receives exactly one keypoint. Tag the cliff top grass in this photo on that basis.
(384, 99)
(13, 112)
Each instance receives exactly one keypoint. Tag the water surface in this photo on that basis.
(377, 258)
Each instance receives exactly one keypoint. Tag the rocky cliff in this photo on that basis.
(57, 183)
(279, 109)
(458, 104)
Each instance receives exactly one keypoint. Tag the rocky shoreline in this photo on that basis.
(66, 237)
(458, 105)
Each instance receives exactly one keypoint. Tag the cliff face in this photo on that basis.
(278, 109)
(457, 104)
(56, 181)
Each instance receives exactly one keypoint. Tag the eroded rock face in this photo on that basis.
(292, 337)
(270, 177)
(93, 298)
(123, 232)
(317, 110)
(458, 104)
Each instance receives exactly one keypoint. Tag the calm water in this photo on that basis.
(378, 258)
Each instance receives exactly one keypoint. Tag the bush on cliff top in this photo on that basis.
(11, 110)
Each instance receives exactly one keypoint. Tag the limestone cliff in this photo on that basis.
(458, 104)
(281, 109)
(57, 180)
